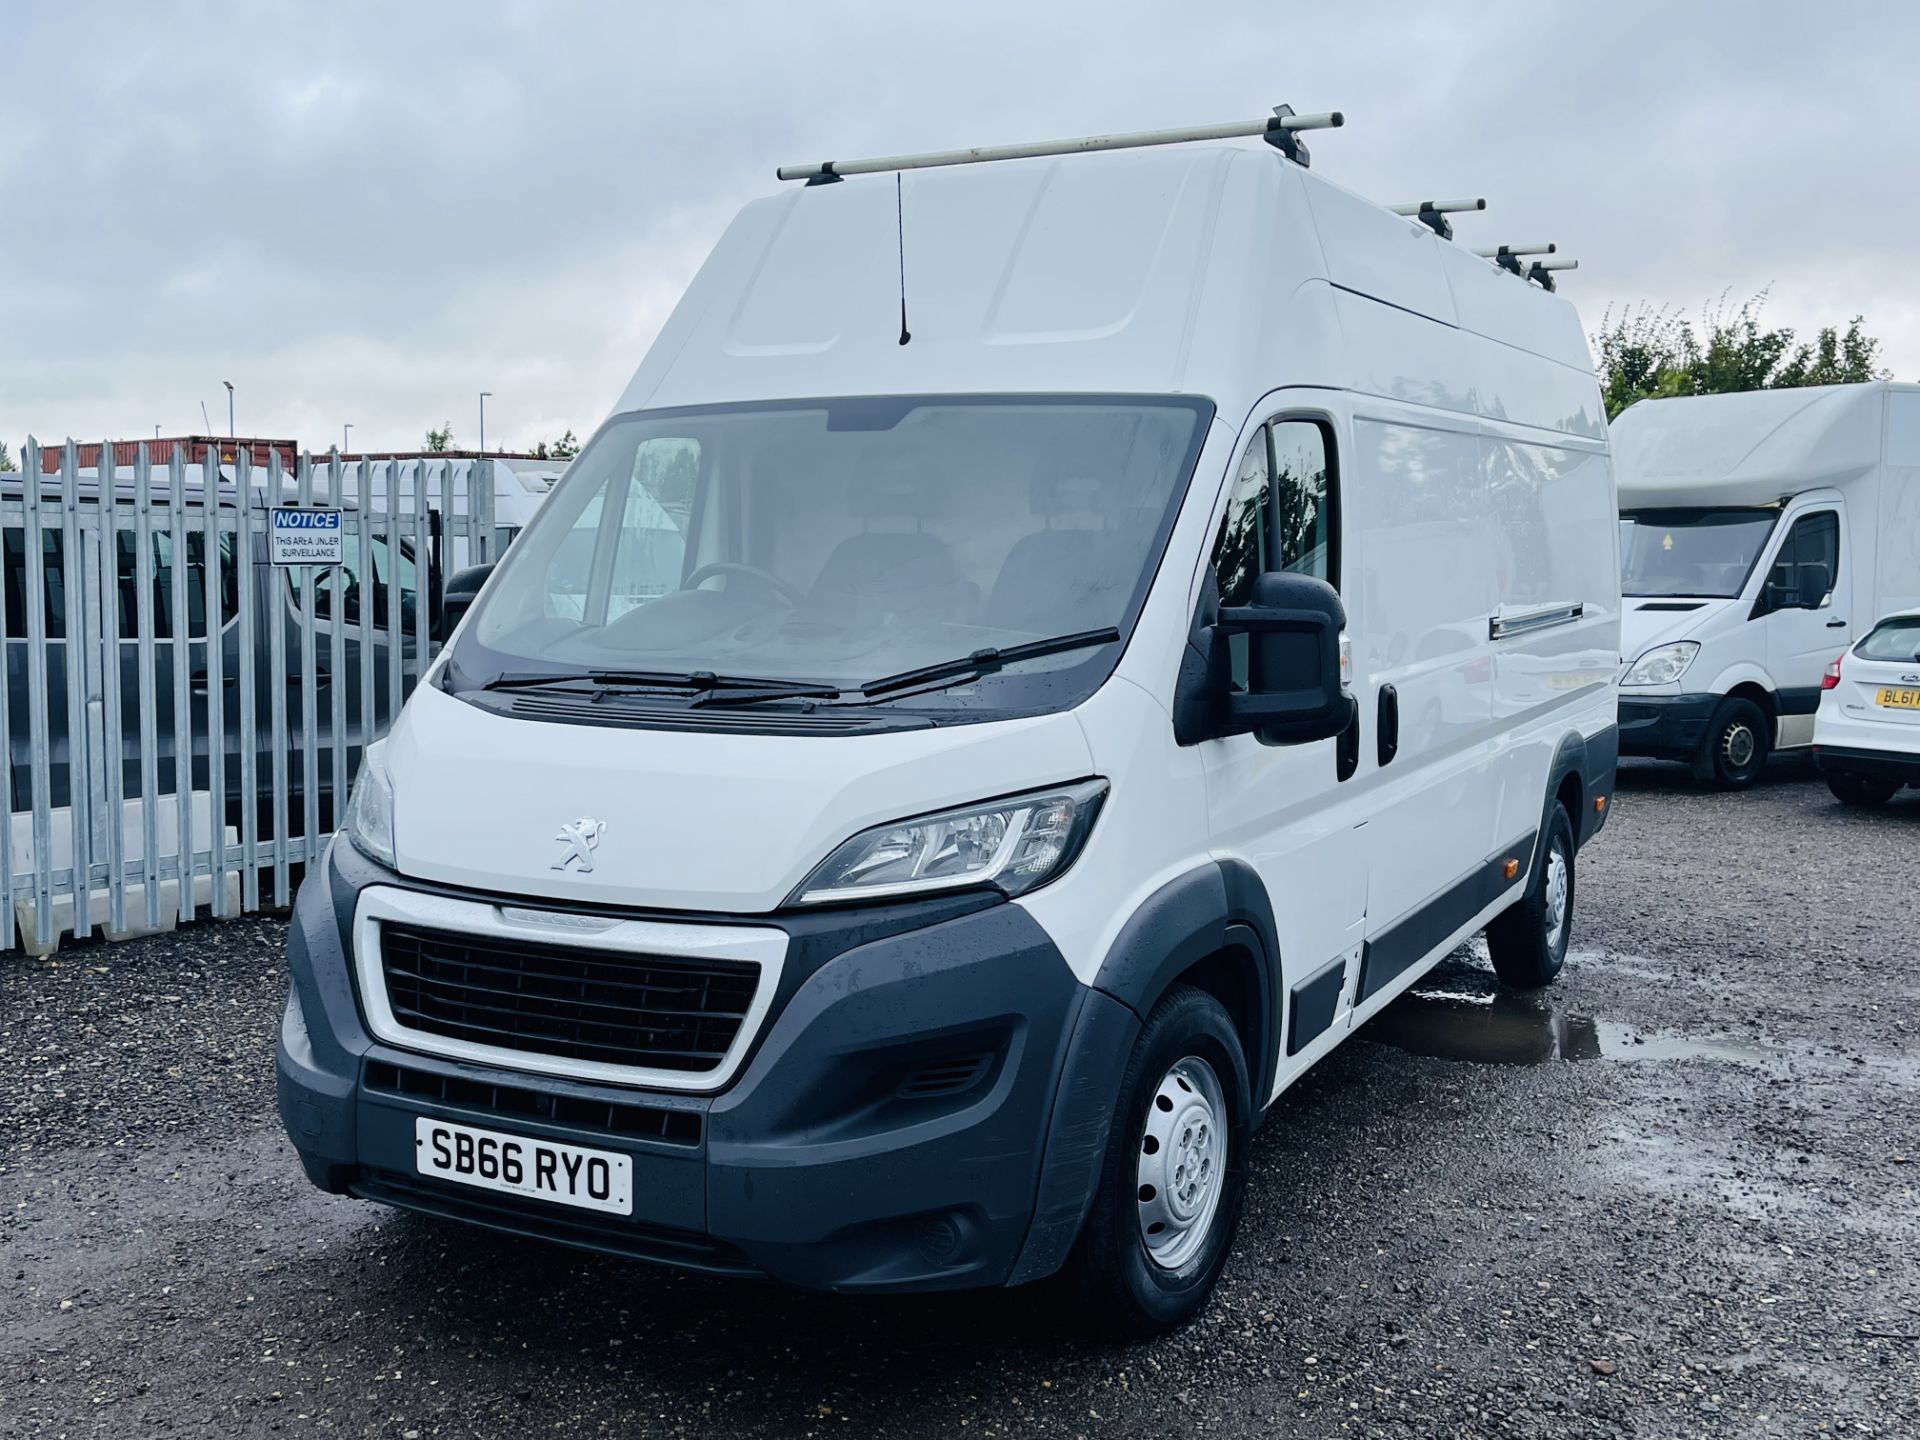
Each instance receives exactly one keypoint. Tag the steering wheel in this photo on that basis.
(786, 592)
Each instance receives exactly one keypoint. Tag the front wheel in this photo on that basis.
(1527, 941)
(1734, 752)
(1861, 791)
(1163, 1217)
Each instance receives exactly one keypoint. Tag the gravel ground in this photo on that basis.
(1677, 1197)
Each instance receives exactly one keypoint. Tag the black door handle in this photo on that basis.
(1346, 749)
(1389, 735)
(1836, 624)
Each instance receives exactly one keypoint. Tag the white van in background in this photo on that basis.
(947, 757)
(520, 486)
(1760, 533)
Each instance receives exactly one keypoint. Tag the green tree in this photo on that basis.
(441, 439)
(565, 448)
(1649, 353)
(6, 457)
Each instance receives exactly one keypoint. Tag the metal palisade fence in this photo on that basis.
(199, 648)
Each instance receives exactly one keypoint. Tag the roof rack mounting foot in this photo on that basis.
(824, 176)
(1287, 141)
(1433, 213)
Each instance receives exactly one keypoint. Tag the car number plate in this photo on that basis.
(521, 1165)
(1896, 697)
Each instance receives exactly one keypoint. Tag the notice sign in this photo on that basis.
(307, 537)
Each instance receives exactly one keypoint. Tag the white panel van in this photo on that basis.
(1761, 533)
(1039, 654)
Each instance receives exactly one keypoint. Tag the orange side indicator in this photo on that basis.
(1599, 804)
(1510, 869)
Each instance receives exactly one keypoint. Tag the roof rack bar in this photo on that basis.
(1278, 128)
(1433, 213)
(1500, 250)
(1538, 271)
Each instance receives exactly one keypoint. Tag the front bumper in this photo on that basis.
(1664, 727)
(820, 1164)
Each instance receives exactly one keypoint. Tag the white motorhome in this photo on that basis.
(1761, 533)
(948, 756)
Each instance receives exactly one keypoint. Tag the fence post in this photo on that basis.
(110, 753)
(143, 628)
(250, 577)
(180, 642)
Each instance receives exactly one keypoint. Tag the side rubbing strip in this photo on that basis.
(1312, 1003)
(1413, 938)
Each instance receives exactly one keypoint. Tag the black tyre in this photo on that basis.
(1528, 940)
(1734, 753)
(1869, 794)
(1175, 1173)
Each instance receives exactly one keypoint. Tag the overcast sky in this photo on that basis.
(369, 213)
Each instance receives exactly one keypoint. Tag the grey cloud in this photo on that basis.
(369, 213)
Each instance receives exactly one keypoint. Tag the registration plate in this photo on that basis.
(1897, 697)
(521, 1165)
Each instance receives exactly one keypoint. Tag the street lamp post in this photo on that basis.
(231, 432)
(485, 395)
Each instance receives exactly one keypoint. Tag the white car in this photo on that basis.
(1866, 735)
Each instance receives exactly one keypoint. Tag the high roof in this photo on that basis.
(1207, 269)
(1752, 448)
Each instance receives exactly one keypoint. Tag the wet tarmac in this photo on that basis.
(1674, 1195)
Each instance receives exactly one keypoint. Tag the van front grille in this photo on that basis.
(611, 1007)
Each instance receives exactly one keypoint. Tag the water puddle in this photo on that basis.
(1502, 1028)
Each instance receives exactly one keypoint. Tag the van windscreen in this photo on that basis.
(1701, 553)
(835, 541)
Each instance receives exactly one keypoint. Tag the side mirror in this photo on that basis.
(1816, 581)
(462, 588)
(1294, 694)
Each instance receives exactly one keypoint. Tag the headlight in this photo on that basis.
(370, 807)
(1662, 665)
(1014, 844)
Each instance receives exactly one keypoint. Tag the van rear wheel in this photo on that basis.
(1859, 790)
(1163, 1217)
(1527, 941)
(1734, 752)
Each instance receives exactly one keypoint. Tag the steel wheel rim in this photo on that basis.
(1738, 746)
(1557, 889)
(1183, 1163)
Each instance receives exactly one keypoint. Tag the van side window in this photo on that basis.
(1282, 515)
(1811, 552)
(343, 587)
(162, 571)
(1242, 549)
(55, 592)
(650, 555)
(1303, 499)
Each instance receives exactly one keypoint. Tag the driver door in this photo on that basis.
(1803, 638)
(1284, 809)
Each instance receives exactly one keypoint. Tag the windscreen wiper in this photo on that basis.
(985, 662)
(598, 679)
(709, 688)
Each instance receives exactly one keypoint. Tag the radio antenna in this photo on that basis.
(900, 230)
